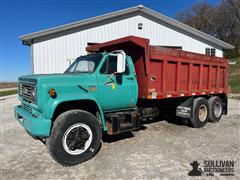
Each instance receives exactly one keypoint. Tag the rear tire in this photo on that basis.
(215, 109)
(75, 137)
(200, 112)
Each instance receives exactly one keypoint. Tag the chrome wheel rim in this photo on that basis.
(202, 113)
(77, 139)
(217, 109)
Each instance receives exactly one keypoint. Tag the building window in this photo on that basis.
(213, 52)
(207, 51)
(210, 51)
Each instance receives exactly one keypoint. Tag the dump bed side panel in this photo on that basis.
(176, 73)
(165, 73)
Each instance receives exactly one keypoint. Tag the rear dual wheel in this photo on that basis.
(200, 112)
(215, 109)
(205, 110)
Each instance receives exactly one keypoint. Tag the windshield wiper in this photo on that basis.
(76, 71)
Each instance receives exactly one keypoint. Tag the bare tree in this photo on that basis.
(222, 21)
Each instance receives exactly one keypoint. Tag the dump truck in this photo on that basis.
(118, 86)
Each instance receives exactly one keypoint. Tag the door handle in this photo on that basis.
(130, 78)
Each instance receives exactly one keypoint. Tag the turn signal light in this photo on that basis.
(52, 93)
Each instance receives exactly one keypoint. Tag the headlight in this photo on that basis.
(34, 93)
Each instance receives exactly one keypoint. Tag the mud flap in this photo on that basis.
(184, 110)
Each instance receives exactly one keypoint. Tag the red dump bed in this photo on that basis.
(165, 73)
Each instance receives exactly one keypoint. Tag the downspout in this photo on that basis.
(32, 57)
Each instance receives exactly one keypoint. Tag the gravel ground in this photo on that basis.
(159, 150)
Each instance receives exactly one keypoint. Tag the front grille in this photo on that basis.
(27, 107)
(25, 89)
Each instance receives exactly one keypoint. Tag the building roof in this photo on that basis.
(27, 38)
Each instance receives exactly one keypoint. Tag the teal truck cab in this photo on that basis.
(103, 93)
(60, 106)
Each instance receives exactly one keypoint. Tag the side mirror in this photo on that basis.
(121, 62)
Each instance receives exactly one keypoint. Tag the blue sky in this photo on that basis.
(20, 17)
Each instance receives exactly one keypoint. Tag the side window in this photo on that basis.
(126, 72)
(110, 66)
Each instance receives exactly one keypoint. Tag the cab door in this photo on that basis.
(116, 90)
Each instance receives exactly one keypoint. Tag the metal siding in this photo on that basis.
(50, 56)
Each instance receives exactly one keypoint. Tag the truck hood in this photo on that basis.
(64, 84)
(52, 76)
(61, 81)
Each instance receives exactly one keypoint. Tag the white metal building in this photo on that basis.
(52, 50)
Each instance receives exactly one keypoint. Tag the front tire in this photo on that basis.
(75, 137)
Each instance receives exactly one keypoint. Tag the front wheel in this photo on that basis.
(75, 137)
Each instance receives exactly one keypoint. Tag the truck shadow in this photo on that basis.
(121, 136)
(173, 119)
(116, 137)
(170, 118)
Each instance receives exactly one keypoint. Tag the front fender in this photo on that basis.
(52, 104)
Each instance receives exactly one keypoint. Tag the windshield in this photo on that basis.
(85, 64)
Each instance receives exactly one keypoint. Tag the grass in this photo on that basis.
(7, 85)
(234, 76)
(234, 82)
(238, 98)
(6, 93)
